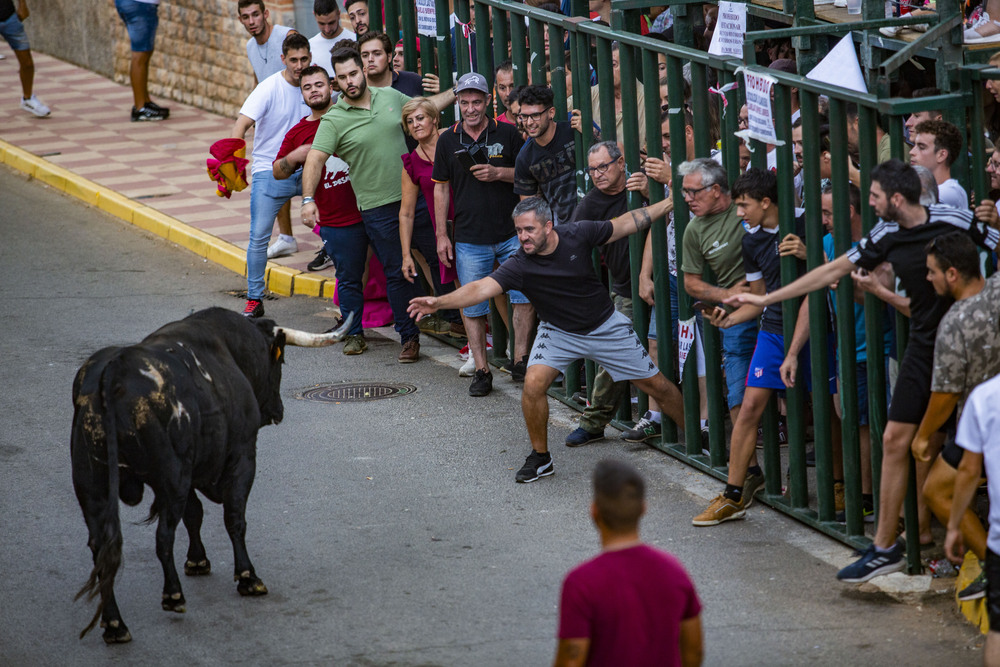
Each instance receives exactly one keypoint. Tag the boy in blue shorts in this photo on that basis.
(755, 194)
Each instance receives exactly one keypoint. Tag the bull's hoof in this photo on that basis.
(115, 632)
(174, 602)
(196, 569)
(251, 586)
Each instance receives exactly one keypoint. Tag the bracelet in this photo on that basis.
(308, 200)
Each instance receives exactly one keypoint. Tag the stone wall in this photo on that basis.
(200, 55)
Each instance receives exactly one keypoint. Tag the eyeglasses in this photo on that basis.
(994, 165)
(601, 169)
(691, 193)
(532, 116)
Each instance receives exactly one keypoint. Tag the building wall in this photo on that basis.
(200, 55)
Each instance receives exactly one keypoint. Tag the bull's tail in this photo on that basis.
(108, 550)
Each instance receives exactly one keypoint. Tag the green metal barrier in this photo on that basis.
(519, 31)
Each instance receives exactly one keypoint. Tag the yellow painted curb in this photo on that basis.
(308, 284)
(278, 279)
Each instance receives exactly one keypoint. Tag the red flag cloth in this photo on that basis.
(228, 166)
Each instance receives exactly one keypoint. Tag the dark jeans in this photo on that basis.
(348, 248)
(382, 226)
(425, 240)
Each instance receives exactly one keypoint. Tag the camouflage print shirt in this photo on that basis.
(967, 348)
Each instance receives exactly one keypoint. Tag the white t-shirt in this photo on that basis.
(979, 432)
(950, 193)
(320, 47)
(266, 57)
(275, 106)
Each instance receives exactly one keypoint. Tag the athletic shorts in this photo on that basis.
(912, 391)
(13, 31)
(769, 354)
(141, 19)
(993, 589)
(613, 345)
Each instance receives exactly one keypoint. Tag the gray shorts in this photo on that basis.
(613, 345)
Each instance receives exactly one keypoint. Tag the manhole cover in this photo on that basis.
(353, 392)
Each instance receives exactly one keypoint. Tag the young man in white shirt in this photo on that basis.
(327, 13)
(936, 145)
(274, 106)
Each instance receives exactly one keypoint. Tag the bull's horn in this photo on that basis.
(307, 339)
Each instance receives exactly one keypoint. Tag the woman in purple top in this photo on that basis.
(420, 118)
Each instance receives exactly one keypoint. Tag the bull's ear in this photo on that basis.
(278, 347)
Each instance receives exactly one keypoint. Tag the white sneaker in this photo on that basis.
(892, 30)
(282, 248)
(35, 106)
(973, 34)
(468, 369)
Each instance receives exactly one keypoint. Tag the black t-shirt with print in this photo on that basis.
(597, 205)
(761, 260)
(550, 170)
(482, 210)
(563, 286)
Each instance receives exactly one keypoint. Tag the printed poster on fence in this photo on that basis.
(730, 30)
(426, 19)
(761, 125)
(685, 341)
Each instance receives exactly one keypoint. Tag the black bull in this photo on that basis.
(178, 412)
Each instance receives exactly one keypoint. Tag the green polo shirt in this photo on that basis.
(715, 240)
(371, 142)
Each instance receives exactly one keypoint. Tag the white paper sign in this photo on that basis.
(761, 125)
(685, 340)
(730, 30)
(840, 67)
(426, 19)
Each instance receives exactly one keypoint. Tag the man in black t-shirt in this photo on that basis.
(578, 320)
(474, 167)
(546, 165)
(901, 239)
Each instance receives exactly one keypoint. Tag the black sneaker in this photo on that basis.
(535, 466)
(582, 436)
(156, 107)
(147, 113)
(975, 590)
(482, 383)
(320, 262)
(644, 429)
(254, 308)
(519, 369)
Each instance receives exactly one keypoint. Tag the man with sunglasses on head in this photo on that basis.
(474, 159)
(547, 164)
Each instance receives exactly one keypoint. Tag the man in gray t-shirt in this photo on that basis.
(264, 45)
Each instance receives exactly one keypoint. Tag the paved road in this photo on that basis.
(389, 532)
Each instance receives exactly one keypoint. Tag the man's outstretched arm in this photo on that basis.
(639, 219)
(464, 296)
(820, 277)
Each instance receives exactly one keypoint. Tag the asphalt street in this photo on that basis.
(388, 532)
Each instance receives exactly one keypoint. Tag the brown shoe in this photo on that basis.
(721, 509)
(409, 353)
(457, 330)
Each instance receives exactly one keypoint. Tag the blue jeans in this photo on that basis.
(267, 196)
(474, 261)
(348, 248)
(382, 226)
(738, 343)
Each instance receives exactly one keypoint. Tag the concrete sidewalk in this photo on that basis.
(152, 175)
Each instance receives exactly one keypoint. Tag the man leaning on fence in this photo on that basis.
(901, 238)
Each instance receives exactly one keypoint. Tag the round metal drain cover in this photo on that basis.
(354, 392)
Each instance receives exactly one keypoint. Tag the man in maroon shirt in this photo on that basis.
(633, 604)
